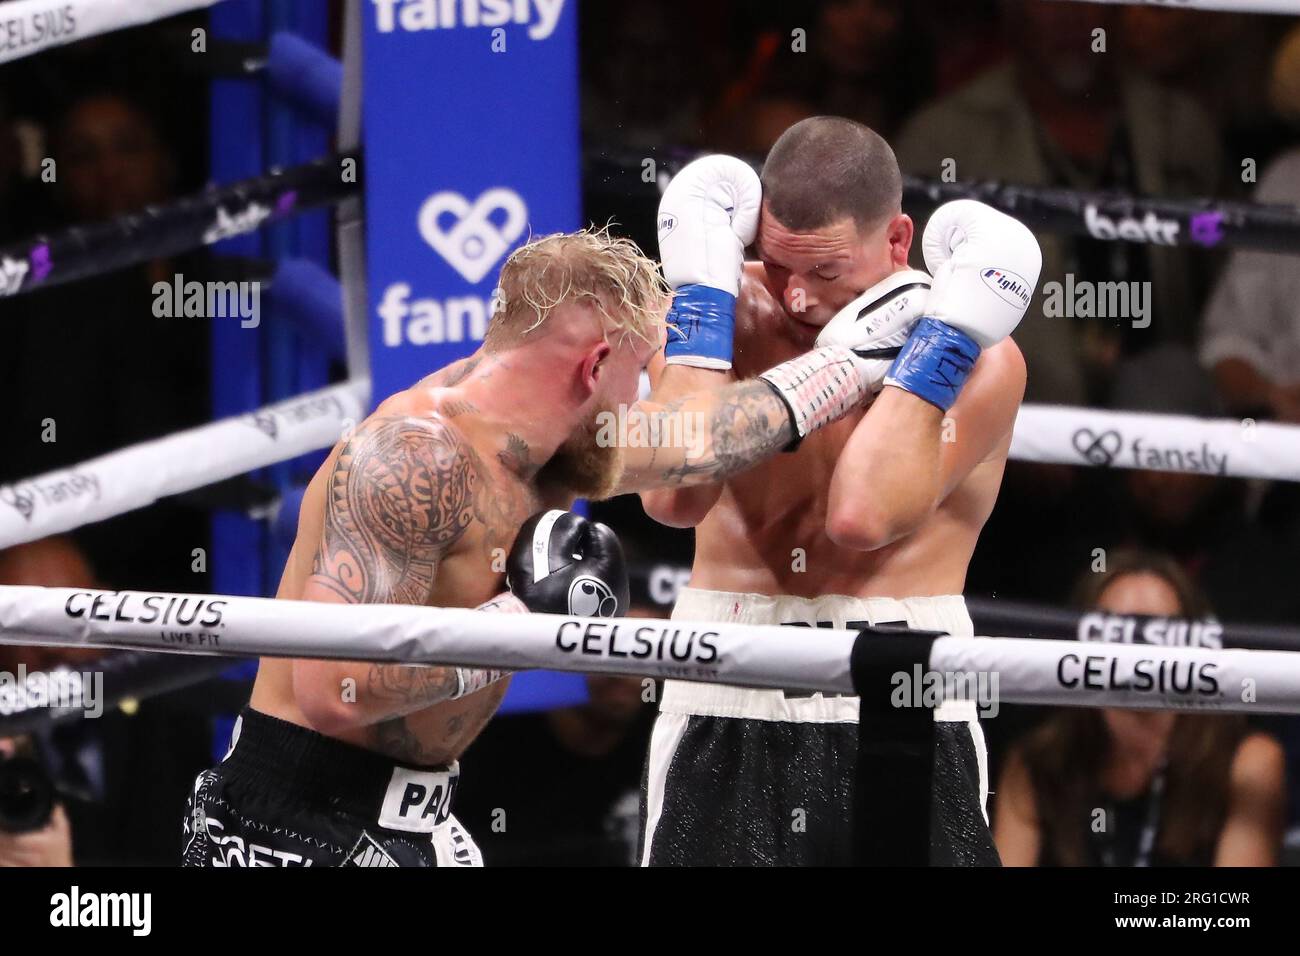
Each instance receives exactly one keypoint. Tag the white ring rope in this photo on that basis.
(1016, 670)
(139, 475)
(1241, 448)
(32, 26)
(1231, 6)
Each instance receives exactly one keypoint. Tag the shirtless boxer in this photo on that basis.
(873, 519)
(338, 762)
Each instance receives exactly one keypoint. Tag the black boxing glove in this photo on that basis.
(561, 563)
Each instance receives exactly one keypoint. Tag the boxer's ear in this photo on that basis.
(593, 367)
(900, 232)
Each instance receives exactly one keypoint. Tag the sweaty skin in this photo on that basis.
(766, 529)
(420, 505)
(407, 510)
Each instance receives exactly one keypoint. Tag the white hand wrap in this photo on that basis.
(472, 679)
(819, 387)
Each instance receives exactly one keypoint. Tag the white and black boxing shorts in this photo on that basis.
(288, 796)
(740, 777)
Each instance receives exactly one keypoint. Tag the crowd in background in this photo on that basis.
(1173, 103)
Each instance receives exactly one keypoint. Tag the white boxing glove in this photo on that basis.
(707, 216)
(876, 324)
(985, 266)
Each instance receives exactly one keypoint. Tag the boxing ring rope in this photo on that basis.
(1225, 447)
(139, 675)
(139, 475)
(1027, 671)
(1227, 6)
(58, 22)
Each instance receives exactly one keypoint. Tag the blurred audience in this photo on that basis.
(48, 845)
(1251, 334)
(861, 59)
(1063, 114)
(123, 374)
(118, 775)
(1112, 787)
(561, 787)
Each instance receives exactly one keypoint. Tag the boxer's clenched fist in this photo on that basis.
(876, 325)
(707, 216)
(985, 266)
(561, 563)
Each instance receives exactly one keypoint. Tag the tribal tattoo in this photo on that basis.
(401, 493)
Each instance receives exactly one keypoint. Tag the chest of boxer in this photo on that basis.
(767, 532)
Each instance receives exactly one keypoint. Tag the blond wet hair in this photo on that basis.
(590, 267)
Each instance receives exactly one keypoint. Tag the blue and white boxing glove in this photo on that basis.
(985, 266)
(877, 324)
(707, 216)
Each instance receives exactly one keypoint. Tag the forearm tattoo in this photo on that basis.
(749, 424)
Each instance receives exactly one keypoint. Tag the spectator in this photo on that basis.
(118, 775)
(859, 59)
(560, 788)
(1251, 335)
(51, 845)
(1062, 115)
(1204, 520)
(124, 375)
(1113, 787)
(1220, 59)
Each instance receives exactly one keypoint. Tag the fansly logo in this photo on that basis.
(409, 16)
(472, 237)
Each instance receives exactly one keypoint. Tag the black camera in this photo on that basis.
(26, 794)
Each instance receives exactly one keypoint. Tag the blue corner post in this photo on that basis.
(252, 131)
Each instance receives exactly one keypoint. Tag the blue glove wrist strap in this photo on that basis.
(935, 362)
(700, 323)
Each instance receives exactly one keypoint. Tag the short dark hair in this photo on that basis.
(827, 168)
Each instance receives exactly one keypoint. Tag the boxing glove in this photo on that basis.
(707, 216)
(876, 325)
(561, 563)
(985, 266)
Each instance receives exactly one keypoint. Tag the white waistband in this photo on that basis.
(943, 613)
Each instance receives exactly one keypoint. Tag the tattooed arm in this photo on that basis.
(704, 437)
(399, 498)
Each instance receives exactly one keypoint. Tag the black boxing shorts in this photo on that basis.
(747, 777)
(288, 796)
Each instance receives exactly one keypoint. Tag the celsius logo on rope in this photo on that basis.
(411, 16)
(38, 28)
(1011, 288)
(472, 237)
(168, 610)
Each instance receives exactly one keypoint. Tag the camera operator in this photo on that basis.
(23, 802)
